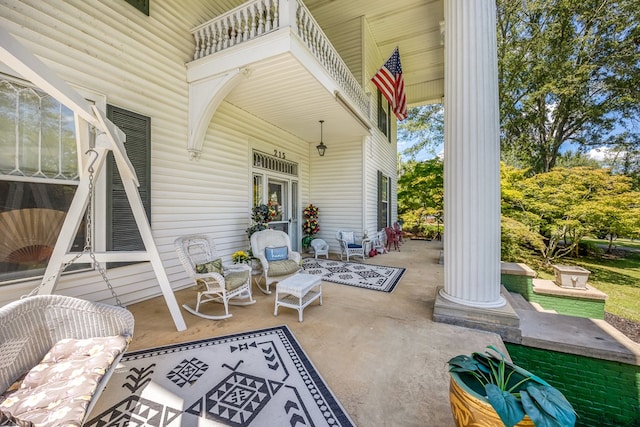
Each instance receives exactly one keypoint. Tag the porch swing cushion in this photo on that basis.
(58, 390)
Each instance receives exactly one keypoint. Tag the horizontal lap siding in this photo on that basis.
(380, 153)
(137, 63)
(336, 189)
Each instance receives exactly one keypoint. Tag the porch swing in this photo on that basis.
(57, 352)
(44, 335)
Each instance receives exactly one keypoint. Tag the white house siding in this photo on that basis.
(137, 63)
(337, 190)
(380, 153)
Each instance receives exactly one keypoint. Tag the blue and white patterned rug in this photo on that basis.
(259, 378)
(377, 277)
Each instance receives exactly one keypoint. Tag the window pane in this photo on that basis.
(257, 190)
(31, 216)
(37, 134)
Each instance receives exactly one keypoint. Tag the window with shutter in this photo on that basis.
(383, 201)
(384, 117)
(122, 231)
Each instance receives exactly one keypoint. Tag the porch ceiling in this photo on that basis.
(283, 92)
(412, 25)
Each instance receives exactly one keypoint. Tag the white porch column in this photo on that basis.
(472, 156)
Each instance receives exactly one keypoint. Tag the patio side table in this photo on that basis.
(297, 292)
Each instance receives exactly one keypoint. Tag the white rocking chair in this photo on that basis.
(277, 268)
(214, 280)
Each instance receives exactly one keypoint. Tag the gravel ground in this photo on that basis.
(628, 327)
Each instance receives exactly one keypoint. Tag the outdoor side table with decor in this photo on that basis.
(297, 292)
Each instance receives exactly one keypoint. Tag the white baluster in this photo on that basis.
(198, 48)
(207, 45)
(261, 15)
(269, 15)
(225, 33)
(245, 24)
(218, 38)
(276, 13)
(253, 17)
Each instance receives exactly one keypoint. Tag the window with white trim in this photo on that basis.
(38, 177)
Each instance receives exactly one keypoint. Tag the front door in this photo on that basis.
(278, 200)
(275, 183)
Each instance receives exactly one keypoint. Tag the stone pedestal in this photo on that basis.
(571, 276)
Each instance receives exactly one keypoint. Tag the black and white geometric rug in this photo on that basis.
(370, 276)
(258, 378)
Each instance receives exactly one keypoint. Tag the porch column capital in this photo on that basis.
(472, 156)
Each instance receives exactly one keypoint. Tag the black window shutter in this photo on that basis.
(122, 231)
(381, 209)
(141, 5)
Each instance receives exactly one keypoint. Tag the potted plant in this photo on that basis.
(310, 226)
(260, 216)
(485, 385)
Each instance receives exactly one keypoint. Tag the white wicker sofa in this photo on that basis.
(42, 334)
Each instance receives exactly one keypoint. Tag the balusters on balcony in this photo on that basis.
(258, 17)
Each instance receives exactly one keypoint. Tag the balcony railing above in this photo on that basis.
(257, 18)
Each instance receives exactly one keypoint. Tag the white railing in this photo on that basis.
(256, 18)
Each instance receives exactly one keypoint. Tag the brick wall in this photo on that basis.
(592, 309)
(602, 392)
(520, 284)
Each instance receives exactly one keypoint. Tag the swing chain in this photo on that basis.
(88, 247)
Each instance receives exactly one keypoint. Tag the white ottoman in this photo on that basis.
(297, 292)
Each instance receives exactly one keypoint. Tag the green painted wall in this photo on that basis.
(520, 284)
(603, 393)
(592, 309)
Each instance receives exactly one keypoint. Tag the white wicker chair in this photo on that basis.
(274, 271)
(231, 287)
(31, 326)
(320, 247)
(350, 246)
(378, 242)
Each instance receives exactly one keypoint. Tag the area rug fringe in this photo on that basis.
(370, 276)
(258, 378)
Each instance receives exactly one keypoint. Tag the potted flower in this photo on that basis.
(310, 226)
(239, 257)
(485, 386)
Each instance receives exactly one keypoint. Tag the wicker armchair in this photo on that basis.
(320, 247)
(273, 249)
(229, 284)
(350, 246)
(30, 327)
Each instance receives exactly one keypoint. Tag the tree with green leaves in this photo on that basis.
(423, 130)
(566, 205)
(568, 73)
(421, 194)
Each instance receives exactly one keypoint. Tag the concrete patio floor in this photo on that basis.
(380, 353)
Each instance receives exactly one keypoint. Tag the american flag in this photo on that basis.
(391, 83)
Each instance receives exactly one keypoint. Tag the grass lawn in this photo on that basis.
(635, 244)
(619, 278)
